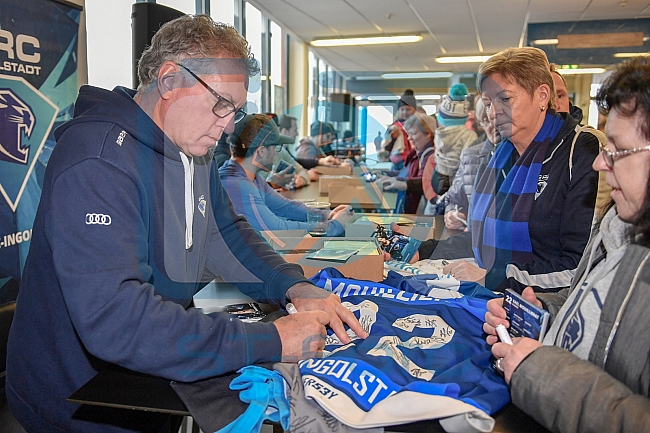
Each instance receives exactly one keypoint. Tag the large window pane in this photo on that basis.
(254, 38)
(223, 11)
(186, 6)
(278, 85)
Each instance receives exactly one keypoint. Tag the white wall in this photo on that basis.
(108, 29)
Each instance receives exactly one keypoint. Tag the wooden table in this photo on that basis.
(361, 195)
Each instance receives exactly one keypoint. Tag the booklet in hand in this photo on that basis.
(526, 319)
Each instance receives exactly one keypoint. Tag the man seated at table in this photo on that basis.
(287, 173)
(132, 222)
(254, 145)
(321, 135)
(288, 125)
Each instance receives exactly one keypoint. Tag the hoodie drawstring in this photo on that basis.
(188, 169)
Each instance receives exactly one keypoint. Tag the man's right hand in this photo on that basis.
(302, 334)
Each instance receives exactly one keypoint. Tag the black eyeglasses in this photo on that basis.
(610, 157)
(223, 107)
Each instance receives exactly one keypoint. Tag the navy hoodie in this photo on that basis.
(109, 278)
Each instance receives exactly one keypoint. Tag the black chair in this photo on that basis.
(7, 420)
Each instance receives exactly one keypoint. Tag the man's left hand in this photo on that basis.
(307, 297)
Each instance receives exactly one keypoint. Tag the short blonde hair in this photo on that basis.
(527, 67)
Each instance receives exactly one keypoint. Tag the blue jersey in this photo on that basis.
(433, 347)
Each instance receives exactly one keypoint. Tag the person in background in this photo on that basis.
(396, 141)
(294, 175)
(321, 135)
(452, 137)
(420, 129)
(472, 119)
(132, 222)
(590, 373)
(562, 95)
(377, 141)
(534, 204)
(459, 196)
(288, 125)
(254, 145)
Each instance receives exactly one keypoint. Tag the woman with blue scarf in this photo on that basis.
(536, 200)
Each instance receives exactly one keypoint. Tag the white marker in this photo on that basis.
(292, 310)
(503, 334)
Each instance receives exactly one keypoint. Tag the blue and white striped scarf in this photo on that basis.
(502, 202)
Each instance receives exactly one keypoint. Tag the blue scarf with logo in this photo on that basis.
(502, 202)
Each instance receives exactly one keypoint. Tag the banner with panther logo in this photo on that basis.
(38, 87)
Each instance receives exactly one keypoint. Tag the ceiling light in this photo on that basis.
(623, 55)
(370, 40)
(462, 59)
(367, 77)
(581, 71)
(399, 75)
(545, 42)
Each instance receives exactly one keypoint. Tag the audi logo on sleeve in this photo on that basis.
(98, 218)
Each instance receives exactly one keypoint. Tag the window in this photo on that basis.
(223, 11)
(254, 37)
(277, 77)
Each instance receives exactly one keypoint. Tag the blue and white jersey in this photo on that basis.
(425, 358)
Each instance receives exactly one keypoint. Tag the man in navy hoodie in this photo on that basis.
(132, 222)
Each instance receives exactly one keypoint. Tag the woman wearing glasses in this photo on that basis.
(592, 371)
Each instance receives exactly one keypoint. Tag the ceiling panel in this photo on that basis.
(445, 25)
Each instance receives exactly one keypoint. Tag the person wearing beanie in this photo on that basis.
(254, 144)
(396, 141)
(452, 137)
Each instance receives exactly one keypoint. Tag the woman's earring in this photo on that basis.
(542, 108)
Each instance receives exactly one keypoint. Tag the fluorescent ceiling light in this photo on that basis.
(623, 55)
(367, 77)
(370, 40)
(545, 42)
(417, 75)
(462, 59)
(581, 71)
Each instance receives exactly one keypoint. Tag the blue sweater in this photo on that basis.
(109, 279)
(265, 208)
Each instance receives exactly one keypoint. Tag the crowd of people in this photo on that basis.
(126, 235)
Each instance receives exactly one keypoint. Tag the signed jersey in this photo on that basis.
(425, 358)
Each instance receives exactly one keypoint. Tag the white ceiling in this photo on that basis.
(449, 27)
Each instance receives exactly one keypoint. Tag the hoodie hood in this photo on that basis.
(100, 105)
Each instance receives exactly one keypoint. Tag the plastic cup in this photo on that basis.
(318, 213)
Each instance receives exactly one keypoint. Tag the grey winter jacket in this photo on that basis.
(462, 187)
(609, 392)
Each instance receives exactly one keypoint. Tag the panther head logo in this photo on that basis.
(16, 119)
